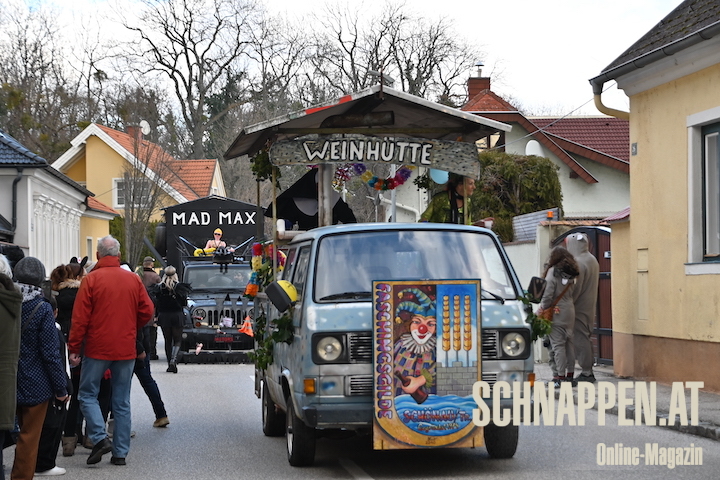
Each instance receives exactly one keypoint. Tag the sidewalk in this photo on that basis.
(708, 403)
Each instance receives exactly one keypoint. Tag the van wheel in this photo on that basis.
(272, 420)
(501, 442)
(300, 438)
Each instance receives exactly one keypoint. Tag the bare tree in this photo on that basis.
(424, 56)
(52, 76)
(351, 45)
(277, 52)
(141, 191)
(35, 97)
(195, 44)
(434, 63)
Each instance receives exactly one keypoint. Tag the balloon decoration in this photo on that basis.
(439, 176)
(345, 172)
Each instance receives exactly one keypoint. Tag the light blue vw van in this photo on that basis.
(323, 380)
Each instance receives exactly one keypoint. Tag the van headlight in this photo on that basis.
(513, 344)
(329, 349)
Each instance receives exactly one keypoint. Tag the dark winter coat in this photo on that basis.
(10, 308)
(67, 291)
(169, 303)
(41, 370)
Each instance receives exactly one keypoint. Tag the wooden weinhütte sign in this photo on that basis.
(456, 157)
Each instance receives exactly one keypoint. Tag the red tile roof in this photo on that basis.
(94, 204)
(548, 141)
(605, 134)
(622, 215)
(487, 101)
(601, 139)
(191, 178)
(197, 174)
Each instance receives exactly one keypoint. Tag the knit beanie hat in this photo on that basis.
(30, 271)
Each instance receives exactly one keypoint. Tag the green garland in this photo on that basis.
(263, 354)
(262, 168)
(540, 326)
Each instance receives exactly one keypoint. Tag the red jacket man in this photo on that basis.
(110, 307)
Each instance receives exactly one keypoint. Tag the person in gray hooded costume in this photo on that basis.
(585, 298)
(561, 271)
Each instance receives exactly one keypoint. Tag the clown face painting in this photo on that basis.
(422, 329)
(415, 349)
(423, 384)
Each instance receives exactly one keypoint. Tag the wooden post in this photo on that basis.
(325, 206)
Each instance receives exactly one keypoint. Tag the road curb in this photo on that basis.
(702, 429)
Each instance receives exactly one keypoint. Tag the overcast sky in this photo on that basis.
(547, 50)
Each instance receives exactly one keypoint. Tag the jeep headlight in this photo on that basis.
(513, 344)
(200, 314)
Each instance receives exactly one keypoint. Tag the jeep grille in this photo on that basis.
(214, 317)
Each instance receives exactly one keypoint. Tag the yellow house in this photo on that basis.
(666, 247)
(100, 159)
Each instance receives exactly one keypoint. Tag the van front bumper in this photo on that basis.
(351, 416)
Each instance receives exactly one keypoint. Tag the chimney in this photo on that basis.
(477, 84)
(134, 132)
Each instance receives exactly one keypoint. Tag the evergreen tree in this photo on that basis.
(513, 185)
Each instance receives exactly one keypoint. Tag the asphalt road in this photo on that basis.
(215, 433)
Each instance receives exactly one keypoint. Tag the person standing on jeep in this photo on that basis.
(171, 296)
(217, 242)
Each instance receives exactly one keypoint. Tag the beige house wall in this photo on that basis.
(660, 311)
(91, 230)
(77, 171)
(105, 166)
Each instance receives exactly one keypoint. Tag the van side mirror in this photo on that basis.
(282, 294)
(535, 289)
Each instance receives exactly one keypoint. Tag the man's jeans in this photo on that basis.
(121, 380)
(148, 383)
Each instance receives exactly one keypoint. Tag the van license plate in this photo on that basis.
(224, 339)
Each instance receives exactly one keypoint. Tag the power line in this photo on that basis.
(542, 129)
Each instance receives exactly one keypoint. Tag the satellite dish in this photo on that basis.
(144, 127)
(533, 148)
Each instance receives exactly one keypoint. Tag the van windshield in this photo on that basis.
(348, 264)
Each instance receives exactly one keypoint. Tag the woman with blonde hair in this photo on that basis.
(170, 297)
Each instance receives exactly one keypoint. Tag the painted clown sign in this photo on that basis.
(427, 358)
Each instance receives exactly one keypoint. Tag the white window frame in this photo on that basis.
(116, 203)
(116, 182)
(695, 264)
